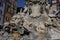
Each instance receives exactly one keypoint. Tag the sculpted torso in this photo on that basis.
(35, 22)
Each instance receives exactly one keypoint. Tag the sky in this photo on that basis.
(21, 3)
(49, 1)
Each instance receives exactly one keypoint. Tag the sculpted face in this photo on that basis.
(34, 9)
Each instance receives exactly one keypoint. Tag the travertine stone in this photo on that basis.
(35, 10)
(36, 21)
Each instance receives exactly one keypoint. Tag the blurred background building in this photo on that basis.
(7, 10)
(2, 8)
(56, 2)
(10, 9)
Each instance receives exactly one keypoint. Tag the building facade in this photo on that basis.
(58, 5)
(10, 9)
(2, 7)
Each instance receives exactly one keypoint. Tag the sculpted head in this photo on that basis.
(34, 8)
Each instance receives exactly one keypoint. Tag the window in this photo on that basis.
(9, 1)
(0, 18)
(14, 4)
(8, 8)
(1, 3)
(14, 11)
(7, 18)
(0, 12)
(15, 0)
(11, 10)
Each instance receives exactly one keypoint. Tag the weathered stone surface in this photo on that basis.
(35, 10)
(38, 23)
(6, 36)
(52, 15)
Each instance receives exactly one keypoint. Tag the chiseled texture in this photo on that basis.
(39, 22)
